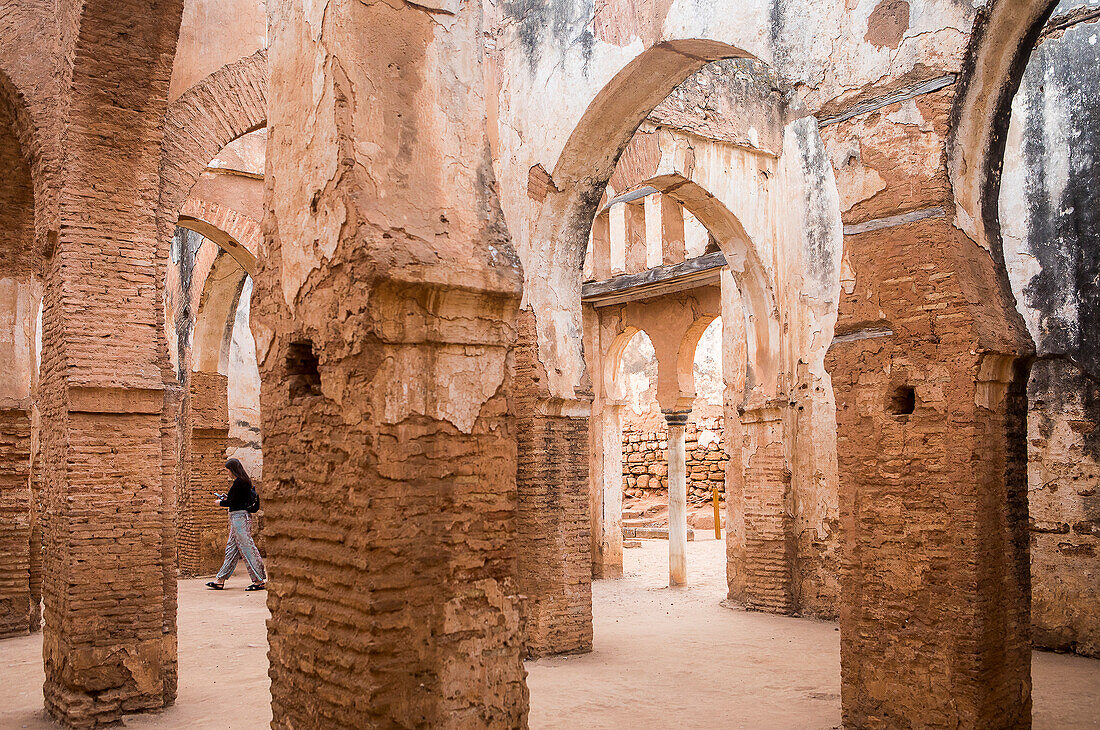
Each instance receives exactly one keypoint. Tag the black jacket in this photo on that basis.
(239, 496)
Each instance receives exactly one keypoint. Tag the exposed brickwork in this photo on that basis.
(225, 105)
(18, 255)
(16, 615)
(939, 483)
(645, 461)
(760, 544)
(38, 538)
(934, 573)
(202, 527)
(555, 565)
(109, 636)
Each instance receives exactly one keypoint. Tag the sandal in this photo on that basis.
(215, 586)
(257, 587)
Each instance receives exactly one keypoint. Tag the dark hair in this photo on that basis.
(237, 469)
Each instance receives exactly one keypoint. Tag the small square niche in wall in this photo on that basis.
(302, 371)
(903, 401)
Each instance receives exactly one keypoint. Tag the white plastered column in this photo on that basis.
(677, 498)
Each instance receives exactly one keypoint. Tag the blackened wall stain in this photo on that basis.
(1058, 387)
(1060, 102)
(185, 245)
(562, 22)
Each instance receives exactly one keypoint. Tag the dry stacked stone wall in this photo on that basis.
(645, 460)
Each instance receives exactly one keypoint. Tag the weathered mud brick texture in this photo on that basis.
(38, 537)
(1064, 507)
(202, 523)
(555, 564)
(390, 562)
(765, 503)
(932, 488)
(16, 610)
(109, 634)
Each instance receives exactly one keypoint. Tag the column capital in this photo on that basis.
(676, 417)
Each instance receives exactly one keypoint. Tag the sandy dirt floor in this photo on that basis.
(663, 658)
(223, 680)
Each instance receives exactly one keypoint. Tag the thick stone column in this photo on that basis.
(677, 498)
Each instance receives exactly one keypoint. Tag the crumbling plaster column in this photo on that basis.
(930, 440)
(385, 320)
(604, 340)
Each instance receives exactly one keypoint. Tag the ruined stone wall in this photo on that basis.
(1048, 203)
(645, 461)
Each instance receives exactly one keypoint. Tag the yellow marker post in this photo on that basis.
(717, 514)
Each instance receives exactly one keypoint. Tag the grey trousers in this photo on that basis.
(239, 546)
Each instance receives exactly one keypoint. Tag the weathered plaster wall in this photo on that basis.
(214, 33)
(827, 53)
(384, 314)
(244, 392)
(1048, 215)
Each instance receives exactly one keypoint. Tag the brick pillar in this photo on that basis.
(555, 563)
(16, 613)
(38, 538)
(109, 634)
(387, 378)
(933, 490)
(202, 527)
(761, 544)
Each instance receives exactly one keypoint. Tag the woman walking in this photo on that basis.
(242, 501)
